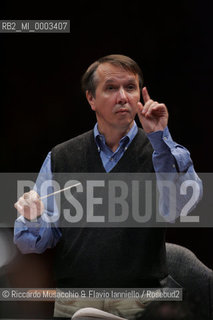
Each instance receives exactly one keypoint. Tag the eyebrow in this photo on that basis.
(110, 80)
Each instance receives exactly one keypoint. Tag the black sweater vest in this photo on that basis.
(107, 257)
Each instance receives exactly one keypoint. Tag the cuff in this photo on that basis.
(161, 140)
(30, 223)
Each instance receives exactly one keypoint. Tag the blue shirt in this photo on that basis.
(108, 157)
(168, 156)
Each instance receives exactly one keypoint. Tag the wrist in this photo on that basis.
(158, 140)
(34, 219)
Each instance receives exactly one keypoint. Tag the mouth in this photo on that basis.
(123, 111)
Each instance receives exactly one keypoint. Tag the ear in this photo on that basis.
(90, 99)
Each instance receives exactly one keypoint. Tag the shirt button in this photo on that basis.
(165, 138)
(173, 165)
(125, 148)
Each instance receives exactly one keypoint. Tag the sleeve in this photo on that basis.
(39, 235)
(175, 172)
(168, 156)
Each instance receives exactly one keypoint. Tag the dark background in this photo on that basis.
(42, 103)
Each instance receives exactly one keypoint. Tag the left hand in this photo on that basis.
(152, 115)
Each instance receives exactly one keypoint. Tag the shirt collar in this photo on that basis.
(127, 139)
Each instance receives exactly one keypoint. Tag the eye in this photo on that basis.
(131, 87)
(111, 87)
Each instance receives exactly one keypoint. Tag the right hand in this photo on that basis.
(152, 115)
(29, 205)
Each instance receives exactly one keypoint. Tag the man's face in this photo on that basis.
(117, 94)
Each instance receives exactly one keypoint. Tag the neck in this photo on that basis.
(113, 135)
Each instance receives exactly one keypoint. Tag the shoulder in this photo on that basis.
(76, 142)
(69, 155)
(141, 140)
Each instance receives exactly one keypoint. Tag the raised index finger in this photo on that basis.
(145, 95)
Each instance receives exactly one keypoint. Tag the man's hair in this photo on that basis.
(89, 80)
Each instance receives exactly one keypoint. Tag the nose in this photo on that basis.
(121, 96)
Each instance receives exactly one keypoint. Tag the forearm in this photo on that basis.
(35, 237)
(173, 165)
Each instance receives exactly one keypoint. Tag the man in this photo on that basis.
(108, 257)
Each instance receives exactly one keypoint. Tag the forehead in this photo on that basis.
(109, 72)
